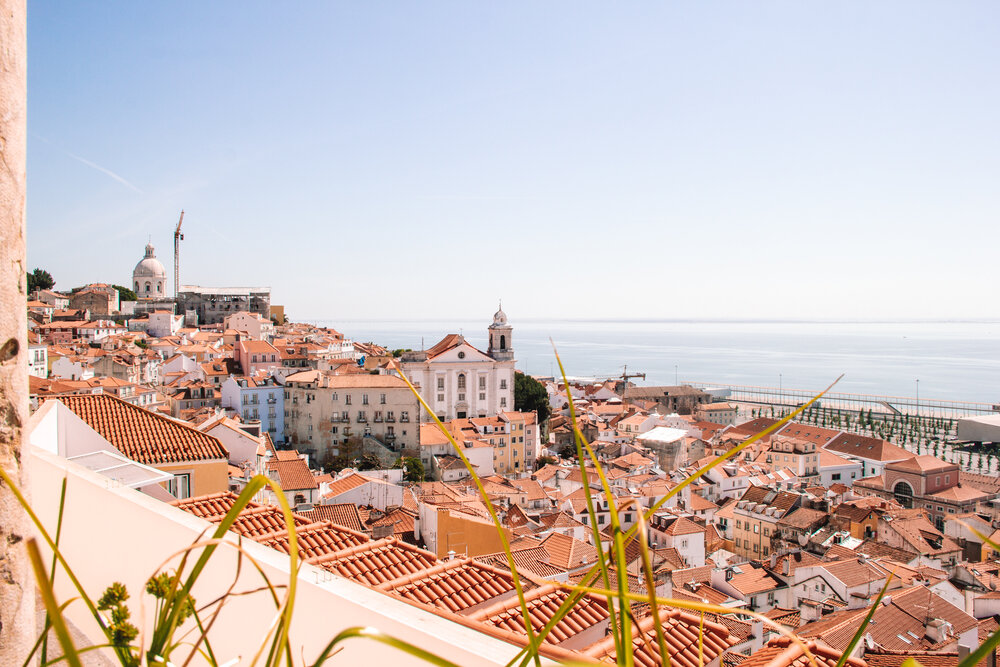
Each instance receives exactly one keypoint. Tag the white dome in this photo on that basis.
(149, 267)
(499, 318)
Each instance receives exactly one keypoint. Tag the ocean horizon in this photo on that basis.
(953, 359)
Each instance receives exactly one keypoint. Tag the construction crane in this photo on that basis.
(178, 237)
(625, 377)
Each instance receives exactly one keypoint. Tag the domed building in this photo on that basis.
(149, 278)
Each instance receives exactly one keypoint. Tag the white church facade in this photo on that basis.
(457, 380)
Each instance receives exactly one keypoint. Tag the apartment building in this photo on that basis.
(755, 520)
(323, 412)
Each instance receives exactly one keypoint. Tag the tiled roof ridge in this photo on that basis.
(309, 528)
(602, 647)
(510, 603)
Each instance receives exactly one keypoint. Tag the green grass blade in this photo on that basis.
(533, 643)
(597, 568)
(51, 607)
(23, 502)
(52, 569)
(647, 569)
(864, 626)
(378, 636)
(582, 462)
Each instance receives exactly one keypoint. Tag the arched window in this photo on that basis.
(147, 287)
(904, 494)
(461, 382)
(159, 287)
(503, 342)
(137, 286)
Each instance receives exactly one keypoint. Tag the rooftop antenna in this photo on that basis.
(178, 237)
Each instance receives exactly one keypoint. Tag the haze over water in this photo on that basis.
(952, 360)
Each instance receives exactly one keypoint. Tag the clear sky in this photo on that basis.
(423, 159)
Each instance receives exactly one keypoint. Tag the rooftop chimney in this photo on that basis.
(937, 630)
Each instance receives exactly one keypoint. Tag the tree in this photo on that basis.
(413, 469)
(40, 279)
(125, 294)
(530, 394)
(369, 462)
(545, 460)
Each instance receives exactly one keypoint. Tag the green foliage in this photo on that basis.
(399, 352)
(530, 394)
(414, 469)
(369, 462)
(40, 279)
(141, 343)
(543, 461)
(125, 294)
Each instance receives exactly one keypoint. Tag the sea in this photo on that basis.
(932, 360)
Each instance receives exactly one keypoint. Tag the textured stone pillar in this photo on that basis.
(17, 597)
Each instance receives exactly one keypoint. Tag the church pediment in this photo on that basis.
(462, 353)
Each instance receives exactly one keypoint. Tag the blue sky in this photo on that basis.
(409, 160)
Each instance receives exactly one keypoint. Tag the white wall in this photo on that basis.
(122, 521)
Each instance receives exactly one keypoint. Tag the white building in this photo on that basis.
(254, 325)
(38, 360)
(458, 381)
(163, 323)
(149, 278)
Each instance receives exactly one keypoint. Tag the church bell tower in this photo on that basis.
(501, 338)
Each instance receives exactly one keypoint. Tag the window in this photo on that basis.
(482, 396)
(503, 401)
(461, 382)
(333, 396)
(684, 543)
(347, 399)
(947, 479)
(382, 399)
(440, 384)
(503, 384)
(482, 383)
(756, 528)
(756, 548)
(404, 416)
(180, 486)
(440, 397)
(364, 399)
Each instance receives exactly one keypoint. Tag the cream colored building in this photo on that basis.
(459, 381)
(324, 411)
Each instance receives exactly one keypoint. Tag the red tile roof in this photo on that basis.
(342, 514)
(377, 562)
(689, 641)
(144, 436)
(542, 603)
(458, 585)
(783, 652)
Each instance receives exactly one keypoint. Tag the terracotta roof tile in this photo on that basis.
(783, 652)
(315, 540)
(457, 586)
(376, 563)
(144, 436)
(542, 603)
(688, 641)
(342, 514)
